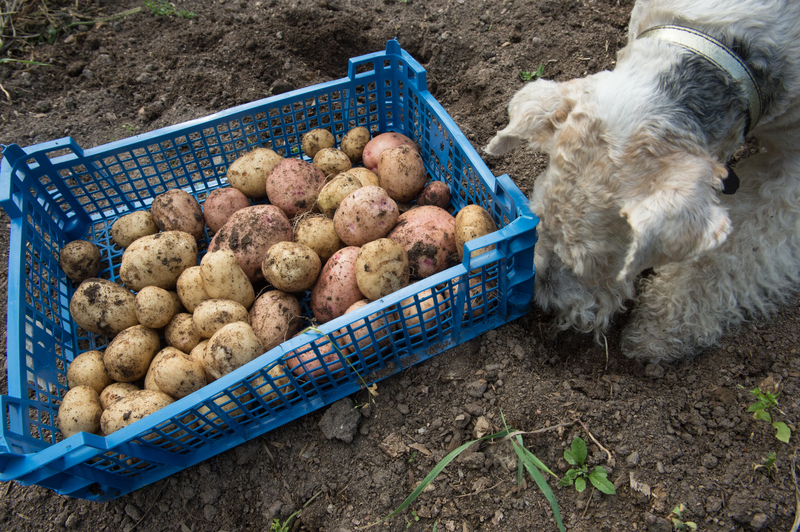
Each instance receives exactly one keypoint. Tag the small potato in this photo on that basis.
(232, 347)
(365, 215)
(213, 314)
(116, 391)
(332, 161)
(317, 139)
(366, 177)
(275, 317)
(223, 278)
(360, 335)
(221, 204)
(402, 173)
(336, 288)
(80, 411)
(353, 143)
(428, 306)
(291, 267)
(473, 221)
(293, 185)
(190, 288)
(103, 307)
(249, 233)
(181, 333)
(80, 260)
(428, 235)
(178, 375)
(381, 268)
(155, 307)
(177, 210)
(384, 141)
(87, 369)
(128, 356)
(158, 260)
(131, 408)
(248, 174)
(132, 227)
(307, 364)
(318, 233)
(335, 191)
(435, 193)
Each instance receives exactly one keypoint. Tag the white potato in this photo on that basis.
(87, 369)
(223, 278)
(177, 374)
(131, 408)
(155, 307)
(158, 260)
(231, 347)
(213, 314)
(80, 411)
(190, 288)
(128, 356)
(131, 227)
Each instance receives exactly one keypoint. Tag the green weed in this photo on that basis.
(530, 76)
(677, 519)
(162, 8)
(765, 403)
(577, 476)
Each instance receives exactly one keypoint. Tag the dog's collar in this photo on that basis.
(718, 54)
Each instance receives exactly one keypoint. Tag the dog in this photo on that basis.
(637, 168)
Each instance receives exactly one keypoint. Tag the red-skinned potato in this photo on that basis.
(435, 193)
(221, 204)
(428, 236)
(308, 363)
(374, 148)
(293, 185)
(366, 214)
(337, 288)
(177, 210)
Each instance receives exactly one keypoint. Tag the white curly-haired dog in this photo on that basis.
(637, 164)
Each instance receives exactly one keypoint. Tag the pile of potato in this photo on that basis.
(348, 234)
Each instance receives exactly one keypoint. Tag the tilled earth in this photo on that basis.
(667, 435)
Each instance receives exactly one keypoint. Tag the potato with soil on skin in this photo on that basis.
(335, 191)
(293, 186)
(116, 391)
(381, 268)
(103, 307)
(80, 411)
(364, 176)
(473, 221)
(199, 354)
(337, 288)
(131, 408)
(177, 210)
(221, 204)
(354, 142)
(248, 174)
(402, 173)
(181, 333)
(275, 317)
(291, 267)
(190, 288)
(318, 233)
(315, 140)
(178, 375)
(429, 303)
(428, 236)
(232, 347)
(131, 227)
(360, 334)
(80, 260)
(88, 369)
(249, 233)
(223, 278)
(213, 314)
(129, 354)
(379, 143)
(331, 161)
(365, 215)
(158, 260)
(307, 364)
(435, 193)
(155, 307)
(149, 378)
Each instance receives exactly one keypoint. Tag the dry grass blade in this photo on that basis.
(796, 523)
(25, 22)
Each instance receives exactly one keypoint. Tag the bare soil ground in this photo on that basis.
(683, 430)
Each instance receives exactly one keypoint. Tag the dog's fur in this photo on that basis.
(637, 158)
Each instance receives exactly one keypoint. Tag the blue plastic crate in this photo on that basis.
(56, 192)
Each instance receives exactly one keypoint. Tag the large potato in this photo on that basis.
(332, 161)
(381, 268)
(310, 364)
(337, 288)
(335, 191)
(249, 233)
(223, 278)
(424, 311)
(360, 335)
(354, 142)
(131, 408)
(293, 185)
(248, 173)
(317, 139)
(428, 235)
(213, 314)
(116, 391)
(232, 347)
(154, 307)
(221, 204)
(177, 210)
(129, 354)
(190, 288)
(178, 375)
(365, 215)
(275, 317)
(473, 221)
(402, 173)
(318, 233)
(158, 260)
(80, 411)
(103, 307)
(132, 227)
(80, 260)
(149, 379)
(181, 332)
(291, 267)
(87, 369)
(374, 148)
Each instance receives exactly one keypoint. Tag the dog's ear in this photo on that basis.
(535, 112)
(679, 219)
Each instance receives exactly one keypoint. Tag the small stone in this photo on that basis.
(88, 74)
(43, 106)
(713, 504)
(536, 41)
(146, 78)
(759, 521)
(340, 421)
(403, 409)
(654, 371)
(73, 521)
(209, 512)
(632, 459)
(462, 420)
(657, 524)
(709, 461)
(482, 427)
(74, 69)
(117, 27)
(477, 388)
(133, 512)
(210, 495)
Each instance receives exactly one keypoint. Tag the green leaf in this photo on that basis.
(784, 432)
(530, 456)
(570, 458)
(580, 484)
(566, 481)
(579, 450)
(760, 405)
(599, 480)
(537, 477)
(763, 414)
(691, 525)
